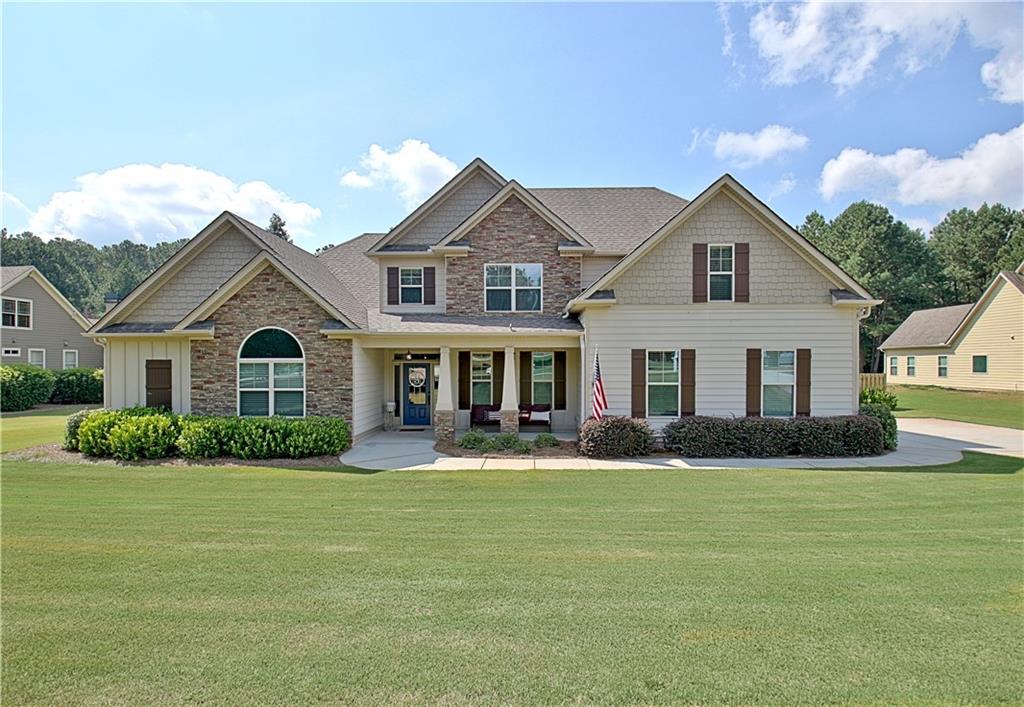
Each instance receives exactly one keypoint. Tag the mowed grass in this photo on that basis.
(145, 585)
(1003, 409)
(19, 430)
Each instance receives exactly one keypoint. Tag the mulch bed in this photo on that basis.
(564, 449)
(54, 454)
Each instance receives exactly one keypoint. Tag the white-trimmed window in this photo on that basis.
(513, 288)
(17, 313)
(12, 352)
(543, 378)
(663, 383)
(410, 282)
(70, 358)
(271, 375)
(943, 366)
(720, 273)
(911, 365)
(37, 357)
(894, 365)
(778, 383)
(481, 376)
(979, 364)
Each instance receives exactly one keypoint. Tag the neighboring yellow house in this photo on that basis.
(971, 346)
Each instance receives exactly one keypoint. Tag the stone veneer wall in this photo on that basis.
(512, 233)
(271, 300)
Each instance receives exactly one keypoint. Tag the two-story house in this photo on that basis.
(488, 305)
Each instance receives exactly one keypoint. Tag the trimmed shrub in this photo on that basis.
(472, 439)
(545, 439)
(505, 440)
(200, 437)
(256, 437)
(764, 436)
(93, 432)
(884, 415)
(316, 436)
(71, 426)
(702, 436)
(879, 396)
(819, 436)
(616, 437)
(78, 385)
(864, 436)
(143, 437)
(23, 386)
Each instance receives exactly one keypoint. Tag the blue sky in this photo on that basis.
(144, 121)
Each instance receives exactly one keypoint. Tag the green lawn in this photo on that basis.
(983, 408)
(145, 585)
(19, 430)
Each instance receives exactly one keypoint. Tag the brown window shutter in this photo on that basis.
(497, 376)
(753, 382)
(525, 377)
(639, 383)
(465, 400)
(392, 285)
(560, 369)
(700, 272)
(429, 297)
(742, 272)
(803, 382)
(688, 379)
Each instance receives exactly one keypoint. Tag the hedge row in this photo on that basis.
(616, 437)
(23, 386)
(145, 433)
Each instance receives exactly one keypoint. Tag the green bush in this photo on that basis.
(71, 426)
(545, 439)
(200, 437)
(143, 437)
(884, 415)
(818, 436)
(879, 396)
(472, 439)
(522, 446)
(23, 386)
(94, 430)
(701, 436)
(316, 436)
(864, 435)
(505, 440)
(764, 436)
(616, 437)
(256, 437)
(78, 385)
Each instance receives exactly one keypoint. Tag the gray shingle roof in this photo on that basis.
(1015, 279)
(349, 262)
(10, 272)
(137, 327)
(472, 324)
(927, 327)
(614, 219)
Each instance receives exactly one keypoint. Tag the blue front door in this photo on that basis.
(416, 393)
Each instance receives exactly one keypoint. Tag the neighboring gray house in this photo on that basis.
(40, 326)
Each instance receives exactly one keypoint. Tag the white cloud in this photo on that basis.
(748, 149)
(784, 185)
(989, 170)
(841, 43)
(151, 203)
(921, 224)
(414, 170)
(728, 36)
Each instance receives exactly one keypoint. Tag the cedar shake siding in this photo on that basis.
(270, 300)
(513, 233)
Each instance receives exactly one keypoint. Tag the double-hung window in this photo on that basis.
(720, 273)
(17, 313)
(894, 365)
(271, 375)
(778, 383)
(663, 383)
(943, 366)
(411, 284)
(911, 365)
(37, 357)
(481, 377)
(70, 358)
(979, 364)
(543, 376)
(513, 288)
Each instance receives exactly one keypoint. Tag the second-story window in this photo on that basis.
(513, 288)
(411, 283)
(17, 313)
(720, 273)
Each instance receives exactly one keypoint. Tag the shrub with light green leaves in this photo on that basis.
(201, 437)
(71, 427)
(143, 437)
(23, 386)
(316, 436)
(879, 396)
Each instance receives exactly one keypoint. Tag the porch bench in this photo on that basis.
(480, 416)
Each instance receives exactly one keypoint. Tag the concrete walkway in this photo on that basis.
(923, 442)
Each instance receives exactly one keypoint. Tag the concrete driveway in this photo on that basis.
(927, 432)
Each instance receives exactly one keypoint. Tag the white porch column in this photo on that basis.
(444, 411)
(510, 393)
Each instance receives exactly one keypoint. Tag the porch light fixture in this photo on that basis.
(408, 355)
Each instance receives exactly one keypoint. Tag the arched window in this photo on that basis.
(271, 375)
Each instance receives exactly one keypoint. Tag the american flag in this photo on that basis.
(600, 401)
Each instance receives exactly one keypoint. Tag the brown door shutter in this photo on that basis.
(429, 296)
(497, 376)
(392, 285)
(753, 382)
(465, 401)
(560, 368)
(158, 384)
(525, 377)
(688, 379)
(639, 383)
(700, 272)
(803, 382)
(742, 272)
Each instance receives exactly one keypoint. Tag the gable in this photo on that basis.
(999, 318)
(48, 315)
(449, 213)
(778, 274)
(196, 280)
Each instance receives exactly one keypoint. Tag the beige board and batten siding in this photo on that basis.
(721, 335)
(124, 380)
(52, 326)
(368, 386)
(412, 261)
(443, 219)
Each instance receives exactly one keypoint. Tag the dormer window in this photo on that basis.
(720, 273)
(411, 283)
(513, 288)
